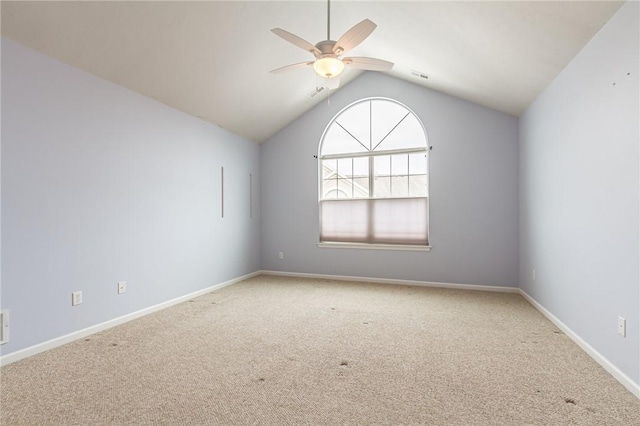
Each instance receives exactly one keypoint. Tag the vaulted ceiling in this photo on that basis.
(211, 59)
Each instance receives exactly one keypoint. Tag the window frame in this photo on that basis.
(371, 154)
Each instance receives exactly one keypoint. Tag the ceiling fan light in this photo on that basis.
(328, 67)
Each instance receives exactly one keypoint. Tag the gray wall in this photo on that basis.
(100, 185)
(579, 193)
(473, 193)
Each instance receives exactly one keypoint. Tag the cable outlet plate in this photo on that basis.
(4, 326)
(122, 287)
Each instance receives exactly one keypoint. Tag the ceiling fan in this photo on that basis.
(329, 62)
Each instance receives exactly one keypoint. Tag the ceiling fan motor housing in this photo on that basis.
(326, 47)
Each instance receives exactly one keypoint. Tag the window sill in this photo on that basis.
(364, 246)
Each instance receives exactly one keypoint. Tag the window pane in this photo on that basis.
(382, 187)
(418, 164)
(345, 188)
(408, 134)
(329, 188)
(400, 165)
(382, 165)
(361, 177)
(355, 120)
(399, 186)
(418, 186)
(361, 167)
(382, 180)
(345, 167)
(329, 167)
(385, 116)
(338, 141)
(361, 187)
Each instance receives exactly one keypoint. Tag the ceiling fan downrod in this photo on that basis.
(328, 19)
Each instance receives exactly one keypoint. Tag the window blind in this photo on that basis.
(381, 221)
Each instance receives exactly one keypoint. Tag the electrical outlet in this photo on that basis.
(4, 326)
(76, 298)
(281, 255)
(533, 274)
(622, 327)
(122, 287)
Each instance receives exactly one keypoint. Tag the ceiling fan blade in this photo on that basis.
(371, 64)
(354, 37)
(292, 66)
(294, 39)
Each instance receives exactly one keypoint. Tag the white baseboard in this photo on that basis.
(625, 380)
(397, 282)
(59, 341)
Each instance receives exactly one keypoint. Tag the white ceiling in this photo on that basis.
(212, 59)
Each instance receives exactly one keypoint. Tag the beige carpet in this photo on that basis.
(283, 351)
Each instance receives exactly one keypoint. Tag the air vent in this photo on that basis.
(419, 74)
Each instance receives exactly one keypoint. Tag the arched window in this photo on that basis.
(374, 176)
